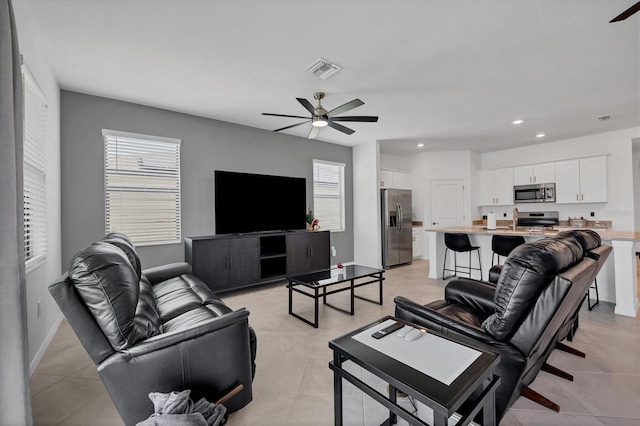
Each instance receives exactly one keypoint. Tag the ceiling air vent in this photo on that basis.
(322, 68)
(606, 118)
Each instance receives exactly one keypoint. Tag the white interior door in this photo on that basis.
(447, 203)
(447, 209)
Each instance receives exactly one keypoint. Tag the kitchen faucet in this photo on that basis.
(515, 217)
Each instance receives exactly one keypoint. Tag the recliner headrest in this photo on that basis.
(587, 238)
(107, 283)
(124, 243)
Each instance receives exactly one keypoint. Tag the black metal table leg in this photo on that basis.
(393, 397)
(315, 312)
(337, 390)
(352, 297)
(290, 297)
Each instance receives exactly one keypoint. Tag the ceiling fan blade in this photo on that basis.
(345, 107)
(340, 127)
(360, 118)
(624, 15)
(314, 132)
(283, 115)
(305, 103)
(293, 125)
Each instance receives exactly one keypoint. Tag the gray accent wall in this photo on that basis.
(207, 145)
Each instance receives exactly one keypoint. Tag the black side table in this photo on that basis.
(472, 392)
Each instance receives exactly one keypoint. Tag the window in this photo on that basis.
(34, 172)
(142, 187)
(328, 194)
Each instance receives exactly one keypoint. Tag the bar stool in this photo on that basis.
(459, 243)
(502, 245)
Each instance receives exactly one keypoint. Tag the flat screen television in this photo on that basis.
(246, 202)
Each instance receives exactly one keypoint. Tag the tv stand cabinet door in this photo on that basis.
(210, 262)
(320, 243)
(308, 251)
(297, 253)
(244, 254)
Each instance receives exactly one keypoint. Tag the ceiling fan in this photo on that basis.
(624, 15)
(320, 117)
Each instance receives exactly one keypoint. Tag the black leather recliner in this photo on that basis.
(524, 315)
(158, 330)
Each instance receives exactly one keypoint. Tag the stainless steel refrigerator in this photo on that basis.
(397, 239)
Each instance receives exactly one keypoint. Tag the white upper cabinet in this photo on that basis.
(386, 179)
(593, 180)
(496, 187)
(401, 180)
(567, 181)
(581, 181)
(393, 179)
(487, 192)
(536, 173)
(522, 175)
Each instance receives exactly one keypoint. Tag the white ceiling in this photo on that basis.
(451, 74)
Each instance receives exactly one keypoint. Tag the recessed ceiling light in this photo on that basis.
(518, 121)
(420, 145)
(540, 135)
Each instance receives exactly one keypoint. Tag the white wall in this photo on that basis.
(620, 208)
(636, 189)
(41, 328)
(366, 206)
(392, 162)
(428, 166)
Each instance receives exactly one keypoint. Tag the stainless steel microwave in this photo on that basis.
(538, 193)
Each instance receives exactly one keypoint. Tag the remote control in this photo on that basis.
(403, 332)
(387, 330)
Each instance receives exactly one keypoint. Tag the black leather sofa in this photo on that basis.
(158, 330)
(525, 314)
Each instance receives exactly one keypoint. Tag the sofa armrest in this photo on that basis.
(178, 336)
(477, 295)
(209, 359)
(165, 272)
(424, 316)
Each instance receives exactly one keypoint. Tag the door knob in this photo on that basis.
(434, 223)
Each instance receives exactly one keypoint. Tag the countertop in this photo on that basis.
(546, 232)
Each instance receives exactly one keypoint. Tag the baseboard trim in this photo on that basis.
(36, 359)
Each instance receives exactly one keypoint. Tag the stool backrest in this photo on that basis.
(504, 244)
(457, 242)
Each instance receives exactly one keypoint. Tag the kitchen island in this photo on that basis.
(617, 281)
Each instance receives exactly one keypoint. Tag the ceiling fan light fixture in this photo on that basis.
(319, 122)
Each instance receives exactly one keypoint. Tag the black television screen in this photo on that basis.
(248, 202)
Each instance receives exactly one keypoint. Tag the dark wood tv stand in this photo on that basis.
(234, 261)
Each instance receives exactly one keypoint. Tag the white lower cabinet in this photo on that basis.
(417, 242)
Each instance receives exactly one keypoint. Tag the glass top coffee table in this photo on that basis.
(311, 284)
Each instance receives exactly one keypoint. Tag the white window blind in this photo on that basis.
(328, 194)
(35, 172)
(142, 187)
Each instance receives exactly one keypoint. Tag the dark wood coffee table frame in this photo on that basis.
(320, 280)
(469, 394)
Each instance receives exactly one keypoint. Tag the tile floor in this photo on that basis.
(293, 384)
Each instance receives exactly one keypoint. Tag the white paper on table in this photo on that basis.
(432, 355)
